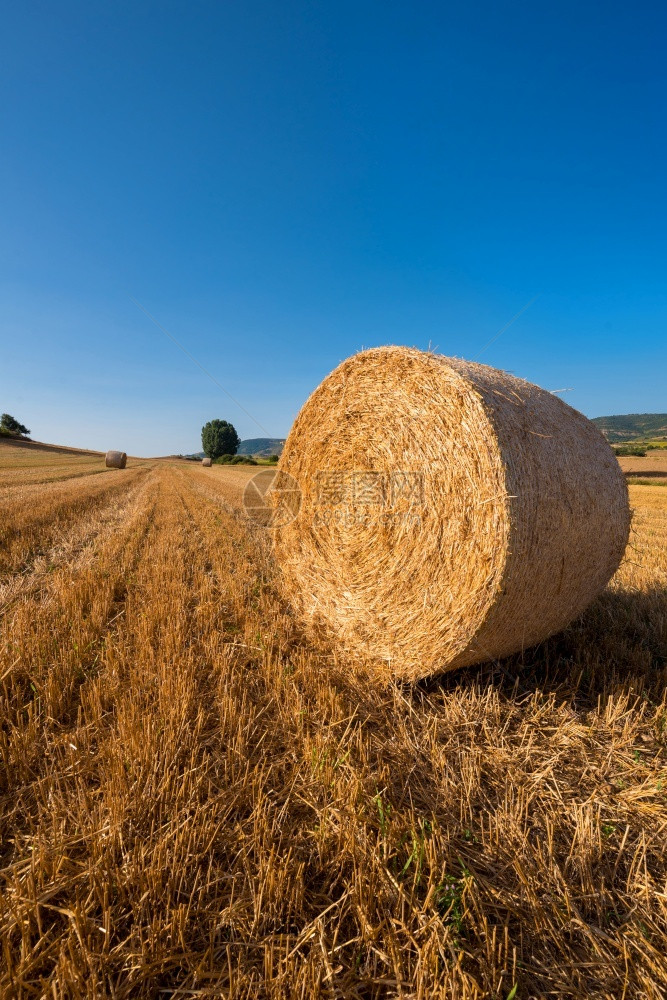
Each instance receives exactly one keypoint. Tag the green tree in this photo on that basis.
(218, 437)
(9, 423)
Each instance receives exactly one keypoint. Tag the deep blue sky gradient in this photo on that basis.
(281, 184)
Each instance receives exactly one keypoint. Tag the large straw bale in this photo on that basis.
(450, 513)
(206, 462)
(116, 460)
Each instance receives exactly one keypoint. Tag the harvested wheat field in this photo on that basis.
(198, 801)
(652, 467)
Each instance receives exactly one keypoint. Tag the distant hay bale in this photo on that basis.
(116, 460)
(449, 514)
(206, 462)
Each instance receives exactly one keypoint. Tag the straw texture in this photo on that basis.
(116, 460)
(206, 462)
(450, 513)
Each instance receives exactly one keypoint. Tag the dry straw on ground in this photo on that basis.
(206, 462)
(191, 806)
(116, 460)
(450, 513)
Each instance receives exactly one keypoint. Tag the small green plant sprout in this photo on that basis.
(341, 760)
(417, 838)
(449, 899)
(608, 829)
(318, 759)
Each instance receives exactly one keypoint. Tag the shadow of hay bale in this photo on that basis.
(618, 646)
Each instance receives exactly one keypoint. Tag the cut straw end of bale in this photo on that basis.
(449, 513)
(206, 462)
(115, 460)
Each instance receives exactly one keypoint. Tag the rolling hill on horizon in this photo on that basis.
(633, 426)
(261, 446)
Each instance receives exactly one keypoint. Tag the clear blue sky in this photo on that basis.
(283, 183)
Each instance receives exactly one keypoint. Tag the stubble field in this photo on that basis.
(650, 469)
(196, 802)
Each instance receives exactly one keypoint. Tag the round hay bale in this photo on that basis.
(206, 462)
(115, 460)
(449, 514)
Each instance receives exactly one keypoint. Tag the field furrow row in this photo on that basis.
(33, 525)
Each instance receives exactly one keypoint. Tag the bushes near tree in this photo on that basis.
(234, 460)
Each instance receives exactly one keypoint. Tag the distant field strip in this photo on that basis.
(74, 543)
(653, 466)
(646, 558)
(11, 477)
(36, 517)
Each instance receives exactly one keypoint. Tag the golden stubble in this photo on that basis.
(197, 800)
